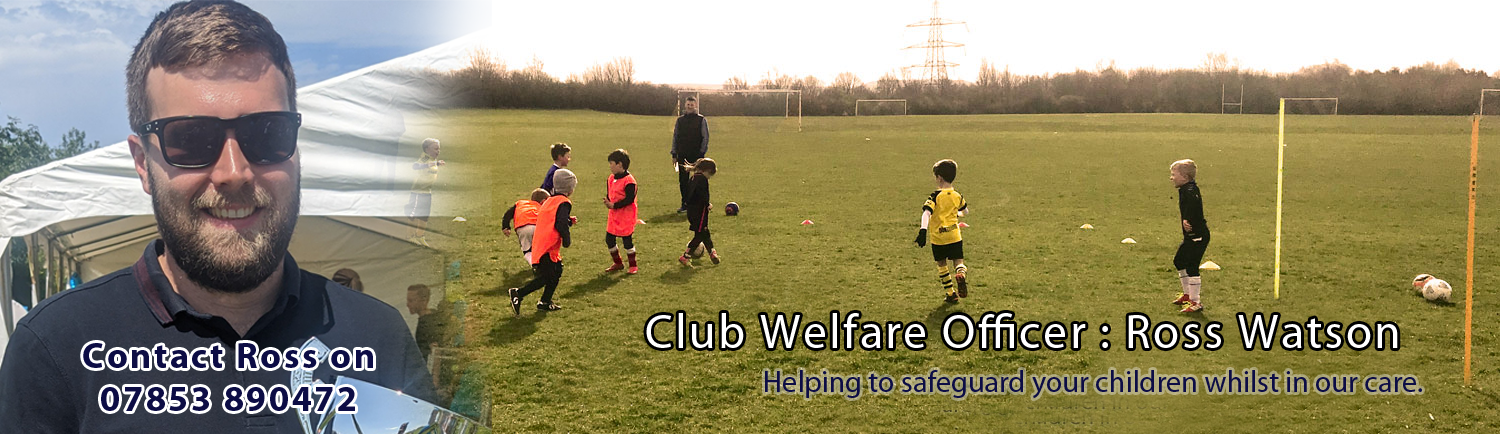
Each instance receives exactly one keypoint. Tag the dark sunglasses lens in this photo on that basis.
(192, 142)
(267, 139)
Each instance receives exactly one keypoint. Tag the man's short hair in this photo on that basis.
(622, 157)
(427, 144)
(560, 149)
(420, 289)
(202, 33)
(946, 169)
(693, 99)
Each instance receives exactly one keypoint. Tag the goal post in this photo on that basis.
(1239, 104)
(1482, 93)
(1469, 242)
(1281, 177)
(878, 101)
(788, 95)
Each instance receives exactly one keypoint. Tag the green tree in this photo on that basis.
(22, 148)
(74, 142)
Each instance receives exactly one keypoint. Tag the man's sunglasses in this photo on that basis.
(193, 142)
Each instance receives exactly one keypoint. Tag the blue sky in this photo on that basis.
(62, 63)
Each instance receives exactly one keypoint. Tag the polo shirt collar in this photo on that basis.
(168, 306)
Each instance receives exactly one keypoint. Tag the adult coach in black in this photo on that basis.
(212, 101)
(689, 143)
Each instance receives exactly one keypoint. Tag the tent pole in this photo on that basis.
(51, 287)
(5, 288)
(32, 256)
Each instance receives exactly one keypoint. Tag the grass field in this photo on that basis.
(1370, 202)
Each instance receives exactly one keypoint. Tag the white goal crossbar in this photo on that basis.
(787, 93)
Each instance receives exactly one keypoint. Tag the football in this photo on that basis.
(1437, 290)
(731, 209)
(1419, 281)
(699, 251)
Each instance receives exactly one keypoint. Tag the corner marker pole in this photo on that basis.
(1469, 261)
(1280, 161)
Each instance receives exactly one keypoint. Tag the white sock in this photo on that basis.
(1194, 287)
(1182, 278)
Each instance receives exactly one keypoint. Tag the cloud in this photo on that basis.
(53, 37)
(63, 63)
(62, 51)
(364, 23)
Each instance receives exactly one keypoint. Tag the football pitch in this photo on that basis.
(1370, 202)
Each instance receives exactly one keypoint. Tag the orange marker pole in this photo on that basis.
(1469, 262)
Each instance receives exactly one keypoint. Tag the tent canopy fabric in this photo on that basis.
(356, 157)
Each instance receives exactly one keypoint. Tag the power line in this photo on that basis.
(935, 69)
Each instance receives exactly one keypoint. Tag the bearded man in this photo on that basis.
(212, 102)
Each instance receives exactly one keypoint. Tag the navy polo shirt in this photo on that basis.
(45, 388)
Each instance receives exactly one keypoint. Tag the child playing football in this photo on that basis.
(562, 154)
(420, 205)
(619, 198)
(523, 215)
(943, 208)
(1194, 234)
(697, 213)
(550, 238)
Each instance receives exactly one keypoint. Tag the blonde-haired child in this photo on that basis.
(1194, 234)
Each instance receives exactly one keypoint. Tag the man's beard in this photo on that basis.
(222, 260)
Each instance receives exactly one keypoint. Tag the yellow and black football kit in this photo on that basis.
(947, 240)
(943, 227)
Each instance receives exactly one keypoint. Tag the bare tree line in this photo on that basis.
(1428, 89)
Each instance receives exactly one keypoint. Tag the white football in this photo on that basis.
(1437, 290)
(699, 251)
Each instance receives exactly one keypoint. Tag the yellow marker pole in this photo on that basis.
(1280, 169)
(1469, 261)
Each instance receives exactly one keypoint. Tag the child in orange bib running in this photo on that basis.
(547, 243)
(619, 198)
(522, 217)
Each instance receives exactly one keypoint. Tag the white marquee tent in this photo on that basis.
(88, 214)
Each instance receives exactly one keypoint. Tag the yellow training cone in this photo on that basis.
(1086, 226)
(1210, 265)
(1128, 241)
